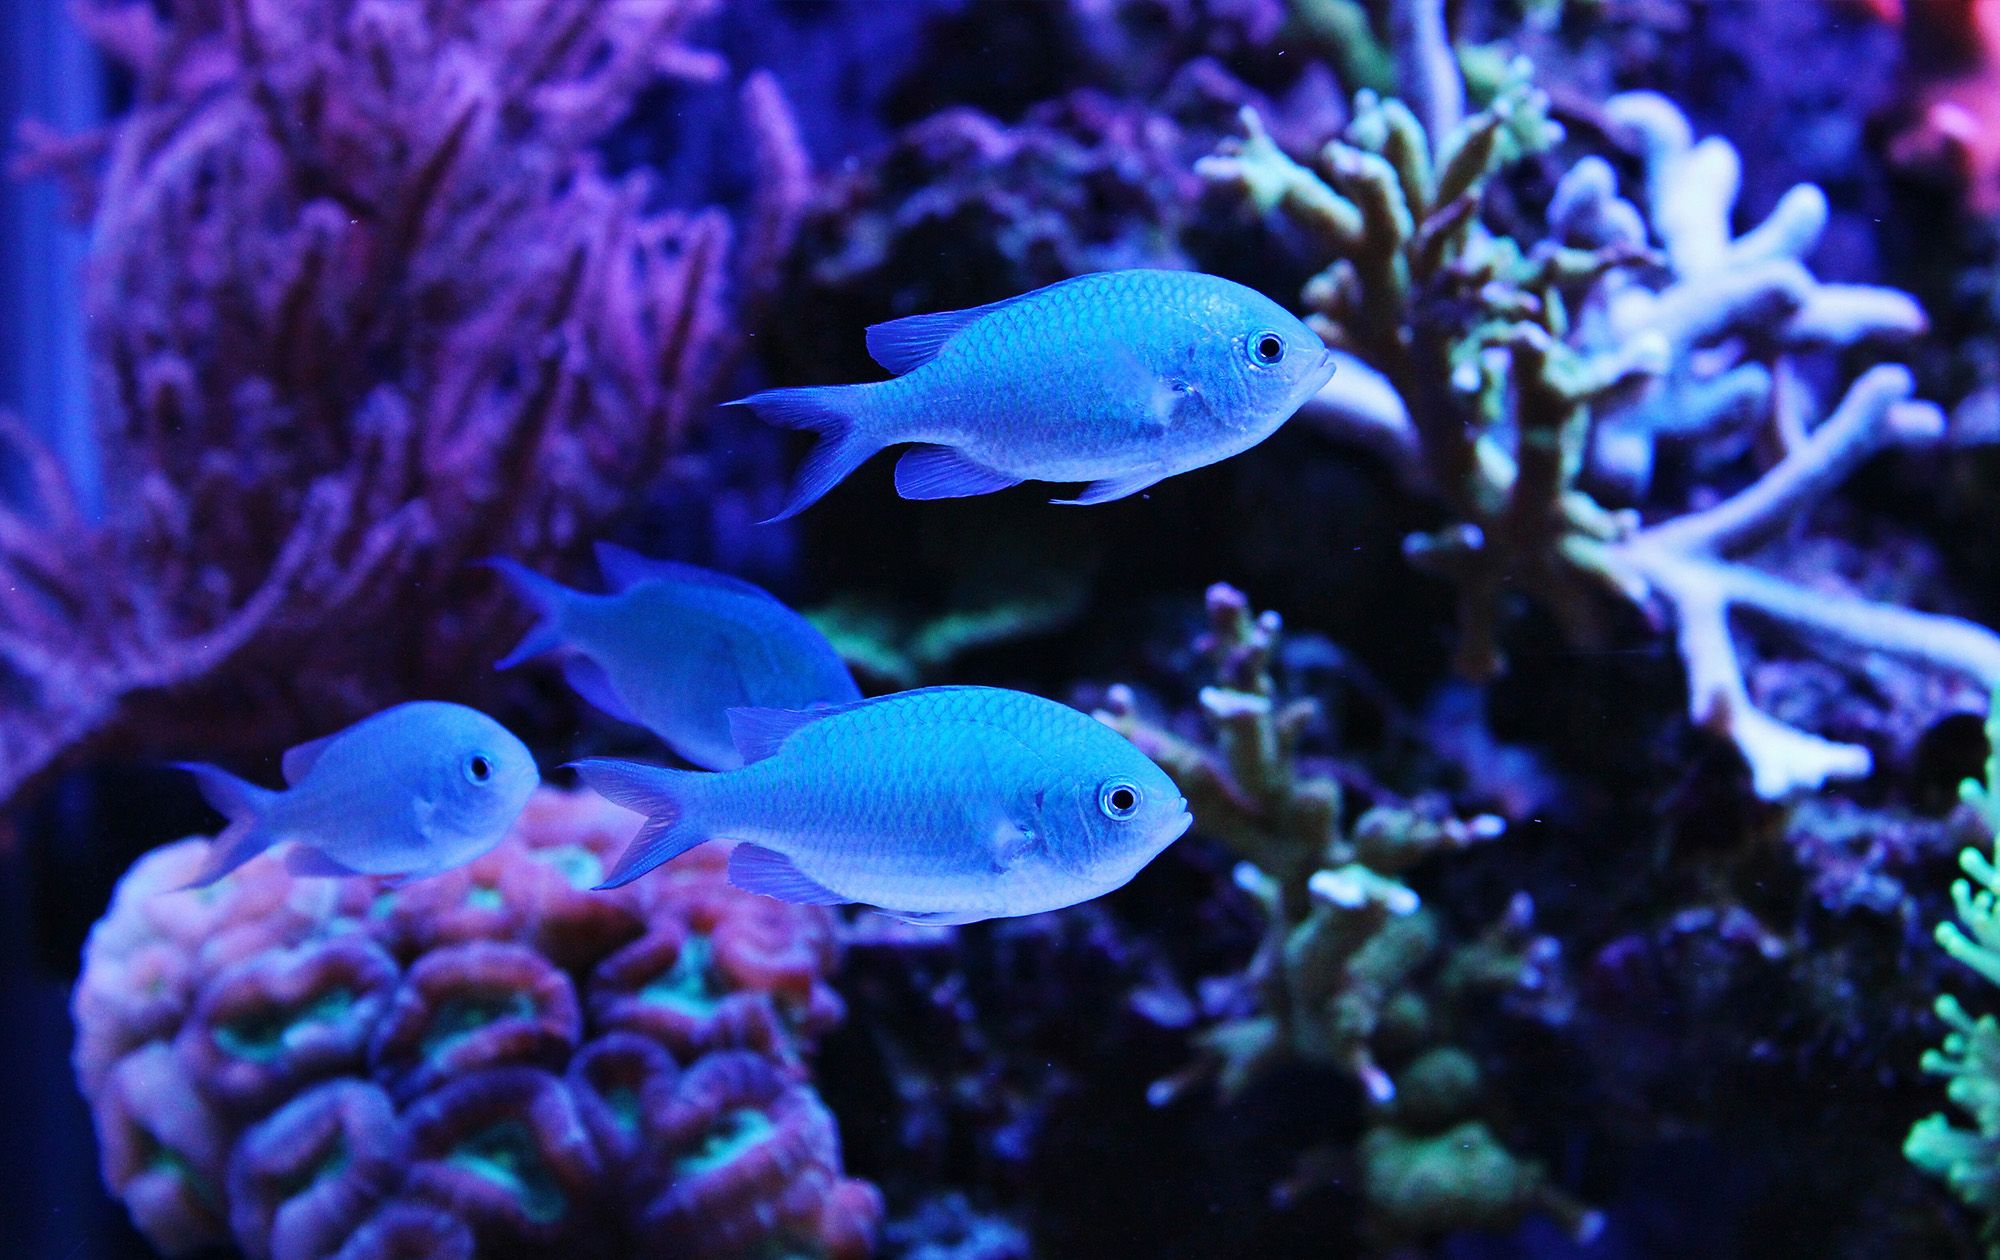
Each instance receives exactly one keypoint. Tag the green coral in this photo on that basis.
(1968, 1160)
(1352, 973)
(1468, 327)
(1526, 382)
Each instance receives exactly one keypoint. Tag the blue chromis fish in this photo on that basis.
(1118, 379)
(414, 790)
(673, 648)
(943, 805)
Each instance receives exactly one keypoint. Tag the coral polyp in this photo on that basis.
(298, 1066)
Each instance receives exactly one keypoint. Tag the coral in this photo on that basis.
(1343, 977)
(1424, 1168)
(296, 1064)
(738, 1152)
(1526, 384)
(341, 1142)
(891, 645)
(1951, 91)
(962, 208)
(363, 306)
(1968, 1160)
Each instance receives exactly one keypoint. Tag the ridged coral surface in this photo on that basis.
(494, 1062)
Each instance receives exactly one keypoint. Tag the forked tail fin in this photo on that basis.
(830, 411)
(244, 804)
(548, 597)
(658, 793)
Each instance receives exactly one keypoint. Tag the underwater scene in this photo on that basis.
(1000, 629)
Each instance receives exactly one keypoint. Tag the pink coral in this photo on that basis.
(496, 1062)
(1951, 114)
(363, 306)
(730, 1138)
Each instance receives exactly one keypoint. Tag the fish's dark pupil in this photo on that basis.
(481, 767)
(1269, 348)
(1122, 799)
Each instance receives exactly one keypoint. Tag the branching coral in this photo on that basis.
(1343, 977)
(1526, 384)
(296, 1064)
(1968, 1160)
(363, 306)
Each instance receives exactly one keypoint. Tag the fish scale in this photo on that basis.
(948, 804)
(413, 790)
(1116, 380)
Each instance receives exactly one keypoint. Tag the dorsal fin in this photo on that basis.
(300, 757)
(759, 732)
(624, 569)
(903, 345)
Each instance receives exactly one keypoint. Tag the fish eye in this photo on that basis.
(478, 768)
(1267, 348)
(1118, 799)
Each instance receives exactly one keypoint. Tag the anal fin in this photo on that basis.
(303, 860)
(939, 472)
(936, 918)
(756, 869)
(588, 679)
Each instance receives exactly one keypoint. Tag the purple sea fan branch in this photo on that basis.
(362, 306)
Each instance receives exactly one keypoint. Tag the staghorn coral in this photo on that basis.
(363, 305)
(295, 1065)
(1526, 384)
(1348, 974)
(1968, 1160)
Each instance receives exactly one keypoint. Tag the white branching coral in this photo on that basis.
(1528, 384)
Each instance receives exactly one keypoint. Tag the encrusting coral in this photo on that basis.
(291, 1064)
(1526, 384)
(1348, 974)
(363, 305)
(1968, 1160)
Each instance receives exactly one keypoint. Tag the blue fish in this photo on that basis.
(943, 805)
(1118, 379)
(412, 791)
(674, 647)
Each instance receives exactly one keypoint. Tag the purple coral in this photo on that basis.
(364, 305)
(340, 1141)
(728, 1141)
(301, 1066)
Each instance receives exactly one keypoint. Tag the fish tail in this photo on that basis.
(548, 596)
(244, 804)
(830, 411)
(658, 793)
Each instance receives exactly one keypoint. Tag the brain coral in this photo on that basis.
(493, 1062)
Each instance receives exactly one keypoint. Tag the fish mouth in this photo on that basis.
(1328, 365)
(1186, 821)
(1312, 382)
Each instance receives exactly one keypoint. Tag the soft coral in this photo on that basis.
(1952, 68)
